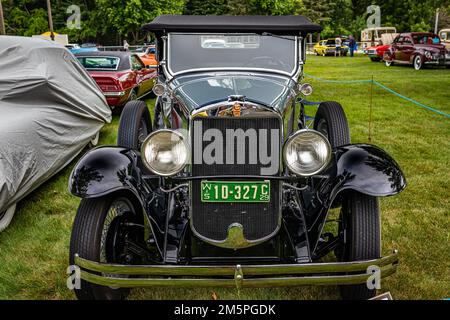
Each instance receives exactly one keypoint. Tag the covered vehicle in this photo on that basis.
(50, 110)
(232, 184)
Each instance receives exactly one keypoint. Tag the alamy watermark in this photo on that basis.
(374, 280)
(74, 20)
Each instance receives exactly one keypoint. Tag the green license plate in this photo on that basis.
(235, 191)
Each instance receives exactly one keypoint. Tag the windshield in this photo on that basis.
(231, 52)
(200, 90)
(426, 39)
(100, 63)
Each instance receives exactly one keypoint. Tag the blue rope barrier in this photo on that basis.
(384, 88)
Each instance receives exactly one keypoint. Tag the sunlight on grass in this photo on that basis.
(34, 249)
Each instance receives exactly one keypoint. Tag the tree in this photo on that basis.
(128, 17)
(202, 7)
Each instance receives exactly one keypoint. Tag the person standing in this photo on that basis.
(352, 45)
(126, 46)
(338, 44)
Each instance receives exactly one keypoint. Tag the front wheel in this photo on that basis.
(360, 234)
(102, 231)
(330, 120)
(418, 63)
(135, 125)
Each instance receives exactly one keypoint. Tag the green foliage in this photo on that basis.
(128, 17)
(109, 21)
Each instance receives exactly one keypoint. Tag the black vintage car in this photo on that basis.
(232, 183)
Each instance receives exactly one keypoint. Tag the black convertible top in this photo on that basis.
(288, 25)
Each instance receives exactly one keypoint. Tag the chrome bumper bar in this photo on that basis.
(239, 276)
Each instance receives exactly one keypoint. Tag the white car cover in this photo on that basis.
(50, 109)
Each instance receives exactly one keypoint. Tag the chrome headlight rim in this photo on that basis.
(147, 164)
(295, 135)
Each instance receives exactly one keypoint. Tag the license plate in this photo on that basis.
(235, 191)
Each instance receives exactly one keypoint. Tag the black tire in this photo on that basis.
(375, 59)
(86, 239)
(330, 120)
(135, 125)
(360, 222)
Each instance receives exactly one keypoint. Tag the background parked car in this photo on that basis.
(50, 110)
(328, 47)
(148, 57)
(85, 47)
(374, 36)
(445, 37)
(418, 49)
(376, 52)
(122, 76)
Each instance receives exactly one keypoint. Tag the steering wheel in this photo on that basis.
(258, 61)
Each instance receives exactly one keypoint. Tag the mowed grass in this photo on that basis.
(34, 249)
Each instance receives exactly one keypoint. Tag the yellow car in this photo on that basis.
(328, 47)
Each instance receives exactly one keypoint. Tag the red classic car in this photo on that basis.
(417, 49)
(381, 42)
(122, 76)
(376, 53)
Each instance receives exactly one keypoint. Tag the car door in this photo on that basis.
(408, 49)
(398, 47)
(145, 77)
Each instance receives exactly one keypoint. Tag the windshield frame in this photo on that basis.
(297, 57)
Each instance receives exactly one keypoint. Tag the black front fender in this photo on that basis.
(360, 167)
(366, 169)
(104, 170)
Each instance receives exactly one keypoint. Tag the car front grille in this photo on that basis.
(212, 220)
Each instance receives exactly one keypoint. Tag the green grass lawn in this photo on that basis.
(34, 249)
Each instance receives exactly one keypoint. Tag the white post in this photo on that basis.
(437, 21)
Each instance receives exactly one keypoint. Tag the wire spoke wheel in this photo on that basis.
(108, 229)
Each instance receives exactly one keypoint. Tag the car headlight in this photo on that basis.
(165, 152)
(428, 54)
(307, 152)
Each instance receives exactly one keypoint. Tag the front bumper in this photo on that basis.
(239, 276)
(439, 60)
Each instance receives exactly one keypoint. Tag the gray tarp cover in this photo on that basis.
(50, 108)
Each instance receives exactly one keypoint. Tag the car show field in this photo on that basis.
(34, 249)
